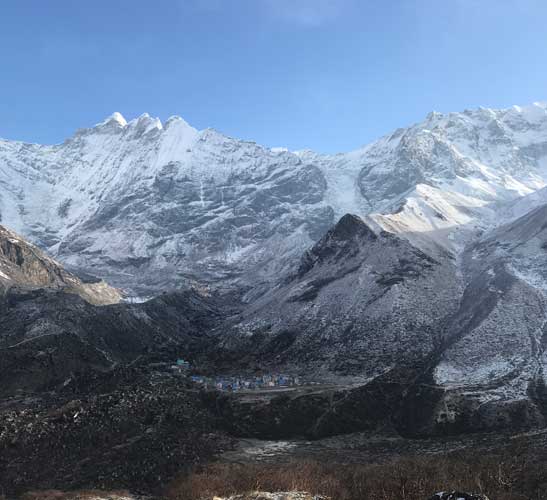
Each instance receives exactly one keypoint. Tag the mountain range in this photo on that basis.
(415, 262)
(151, 206)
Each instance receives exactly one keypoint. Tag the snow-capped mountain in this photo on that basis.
(443, 343)
(141, 202)
(150, 205)
(415, 262)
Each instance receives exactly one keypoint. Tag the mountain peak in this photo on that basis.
(177, 123)
(115, 118)
(342, 242)
(351, 225)
(145, 123)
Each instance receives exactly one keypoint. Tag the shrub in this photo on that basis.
(511, 477)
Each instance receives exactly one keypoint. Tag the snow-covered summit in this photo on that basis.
(115, 118)
(145, 201)
(143, 124)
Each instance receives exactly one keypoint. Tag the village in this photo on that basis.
(236, 383)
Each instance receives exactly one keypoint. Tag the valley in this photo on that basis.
(365, 307)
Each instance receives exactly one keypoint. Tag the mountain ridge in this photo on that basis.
(171, 204)
(406, 276)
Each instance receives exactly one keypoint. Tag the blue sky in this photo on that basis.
(328, 75)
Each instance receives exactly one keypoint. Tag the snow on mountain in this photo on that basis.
(358, 305)
(437, 278)
(151, 205)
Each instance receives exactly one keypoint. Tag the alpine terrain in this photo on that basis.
(403, 284)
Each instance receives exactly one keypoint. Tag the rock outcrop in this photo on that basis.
(23, 266)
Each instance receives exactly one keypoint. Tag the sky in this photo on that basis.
(327, 75)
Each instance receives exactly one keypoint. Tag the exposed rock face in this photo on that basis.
(340, 243)
(24, 266)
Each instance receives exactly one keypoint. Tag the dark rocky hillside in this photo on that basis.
(87, 394)
(48, 337)
(128, 428)
(358, 304)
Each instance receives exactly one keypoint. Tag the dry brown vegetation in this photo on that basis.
(513, 477)
(76, 495)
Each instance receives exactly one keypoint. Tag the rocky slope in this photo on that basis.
(87, 394)
(128, 428)
(496, 357)
(54, 326)
(358, 304)
(150, 205)
(48, 338)
(431, 344)
(24, 266)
